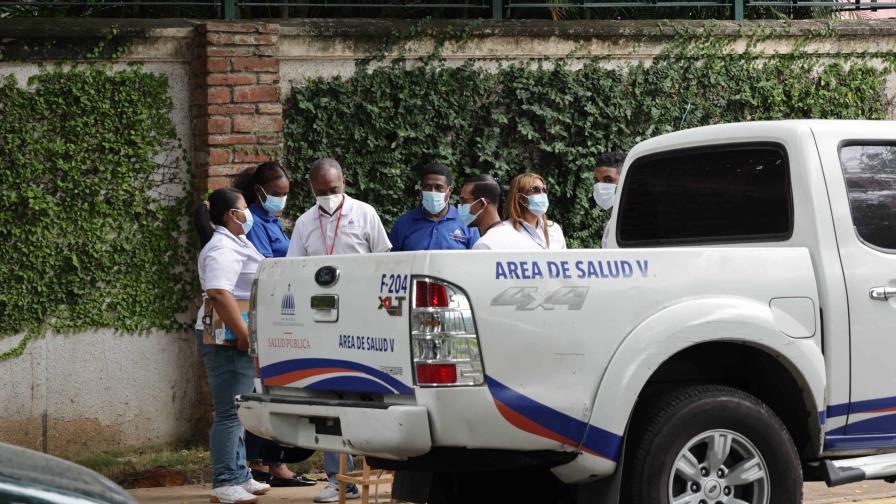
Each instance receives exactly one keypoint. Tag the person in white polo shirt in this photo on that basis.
(336, 225)
(478, 207)
(227, 265)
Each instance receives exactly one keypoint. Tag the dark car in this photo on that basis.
(30, 477)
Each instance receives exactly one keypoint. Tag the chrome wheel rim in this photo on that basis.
(719, 467)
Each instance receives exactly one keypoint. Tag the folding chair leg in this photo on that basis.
(343, 466)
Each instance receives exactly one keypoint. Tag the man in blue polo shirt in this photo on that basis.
(435, 225)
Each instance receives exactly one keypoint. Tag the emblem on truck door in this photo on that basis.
(326, 276)
(288, 303)
(392, 305)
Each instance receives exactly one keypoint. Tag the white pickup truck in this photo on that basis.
(738, 336)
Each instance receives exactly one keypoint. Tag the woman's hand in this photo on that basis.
(229, 311)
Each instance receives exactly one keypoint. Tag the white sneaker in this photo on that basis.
(330, 493)
(233, 494)
(256, 488)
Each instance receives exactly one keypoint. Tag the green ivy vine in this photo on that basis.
(554, 117)
(92, 205)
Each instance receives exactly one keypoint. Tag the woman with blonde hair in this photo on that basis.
(527, 206)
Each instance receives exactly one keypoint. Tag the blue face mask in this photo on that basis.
(465, 215)
(538, 204)
(433, 202)
(250, 219)
(273, 204)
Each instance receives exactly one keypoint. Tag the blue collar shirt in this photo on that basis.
(266, 234)
(415, 230)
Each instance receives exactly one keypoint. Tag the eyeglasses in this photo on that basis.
(537, 190)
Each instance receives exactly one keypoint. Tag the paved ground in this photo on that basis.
(872, 492)
(199, 494)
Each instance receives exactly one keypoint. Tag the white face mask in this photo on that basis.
(604, 195)
(329, 203)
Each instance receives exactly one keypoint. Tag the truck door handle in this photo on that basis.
(882, 293)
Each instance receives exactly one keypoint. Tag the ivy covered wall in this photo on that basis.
(92, 204)
(555, 116)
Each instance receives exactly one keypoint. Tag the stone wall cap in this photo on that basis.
(378, 28)
(50, 28)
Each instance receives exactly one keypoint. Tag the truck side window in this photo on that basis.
(719, 194)
(870, 173)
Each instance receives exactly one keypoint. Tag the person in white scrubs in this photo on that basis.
(527, 206)
(227, 265)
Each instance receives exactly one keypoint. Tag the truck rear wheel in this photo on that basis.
(711, 444)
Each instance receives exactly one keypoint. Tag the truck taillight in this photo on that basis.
(253, 322)
(443, 336)
(429, 294)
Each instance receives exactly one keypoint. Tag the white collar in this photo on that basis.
(538, 226)
(241, 239)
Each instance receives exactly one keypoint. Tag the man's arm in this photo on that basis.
(378, 241)
(296, 247)
(396, 236)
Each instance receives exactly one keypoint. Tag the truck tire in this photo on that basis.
(711, 444)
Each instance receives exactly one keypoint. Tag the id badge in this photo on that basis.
(220, 336)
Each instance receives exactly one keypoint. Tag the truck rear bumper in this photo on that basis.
(384, 430)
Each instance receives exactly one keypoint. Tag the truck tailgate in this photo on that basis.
(335, 323)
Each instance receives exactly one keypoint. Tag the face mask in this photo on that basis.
(329, 203)
(433, 202)
(249, 220)
(538, 204)
(273, 204)
(465, 215)
(604, 195)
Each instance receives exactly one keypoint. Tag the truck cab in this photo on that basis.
(736, 332)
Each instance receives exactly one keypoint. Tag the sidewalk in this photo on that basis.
(199, 494)
(870, 492)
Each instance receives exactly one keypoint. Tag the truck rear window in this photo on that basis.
(723, 194)
(870, 173)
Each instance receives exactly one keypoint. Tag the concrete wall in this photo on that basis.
(77, 393)
(99, 390)
(315, 48)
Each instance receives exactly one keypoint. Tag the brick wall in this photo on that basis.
(236, 112)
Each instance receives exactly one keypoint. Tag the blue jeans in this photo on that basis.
(331, 466)
(230, 373)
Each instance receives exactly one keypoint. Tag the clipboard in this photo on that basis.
(214, 331)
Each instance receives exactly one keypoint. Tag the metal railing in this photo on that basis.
(485, 7)
(737, 7)
(495, 9)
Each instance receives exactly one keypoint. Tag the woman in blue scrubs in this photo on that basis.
(265, 189)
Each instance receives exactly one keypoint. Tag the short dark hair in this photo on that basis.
(433, 168)
(484, 186)
(323, 164)
(611, 159)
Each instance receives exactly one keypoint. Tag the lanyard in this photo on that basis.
(537, 242)
(498, 223)
(335, 233)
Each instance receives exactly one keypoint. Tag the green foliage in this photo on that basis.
(550, 117)
(92, 199)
